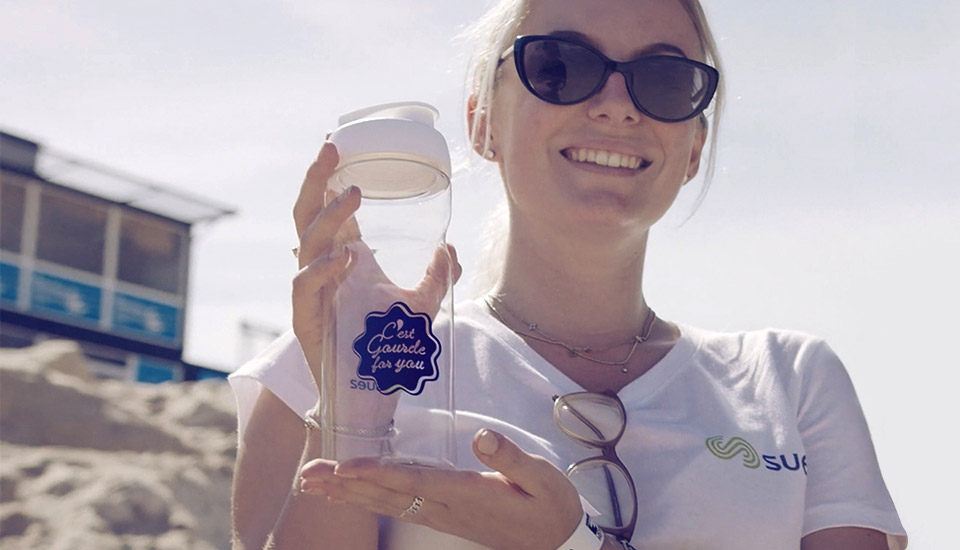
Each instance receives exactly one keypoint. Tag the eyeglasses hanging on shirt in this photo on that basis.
(598, 420)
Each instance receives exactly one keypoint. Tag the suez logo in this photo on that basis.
(737, 446)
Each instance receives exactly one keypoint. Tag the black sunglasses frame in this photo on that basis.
(610, 66)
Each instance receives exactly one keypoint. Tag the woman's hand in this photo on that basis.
(321, 218)
(525, 503)
(339, 279)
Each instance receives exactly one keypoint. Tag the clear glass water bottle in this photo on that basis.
(387, 375)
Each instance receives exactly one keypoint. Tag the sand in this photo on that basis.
(103, 464)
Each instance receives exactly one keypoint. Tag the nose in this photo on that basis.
(613, 103)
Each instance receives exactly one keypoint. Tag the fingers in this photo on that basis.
(317, 468)
(457, 269)
(455, 262)
(350, 231)
(487, 508)
(311, 279)
(435, 484)
(317, 478)
(322, 217)
(532, 474)
(373, 497)
(311, 198)
(323, 274)
(443, 268)
(519, 474)
(321, 233)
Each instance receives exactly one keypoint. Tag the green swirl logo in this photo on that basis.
(734, 447)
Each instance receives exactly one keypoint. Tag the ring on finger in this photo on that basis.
(413, 508)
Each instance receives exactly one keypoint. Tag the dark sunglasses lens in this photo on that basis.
(670, 88)
(561, 72)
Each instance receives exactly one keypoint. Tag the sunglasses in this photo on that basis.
(562, 71)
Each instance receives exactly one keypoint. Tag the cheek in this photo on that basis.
(522, 137)
(681, 146)
(517, 120)
(518, 115)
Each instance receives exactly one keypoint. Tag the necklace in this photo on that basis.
(583, 352)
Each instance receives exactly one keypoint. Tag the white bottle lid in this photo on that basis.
(392, 151)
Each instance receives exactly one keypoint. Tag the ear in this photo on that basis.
(478, 118)
(699, 139)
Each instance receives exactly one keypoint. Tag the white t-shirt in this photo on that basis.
(734, 441)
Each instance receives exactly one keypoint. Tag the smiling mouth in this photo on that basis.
(602, 157)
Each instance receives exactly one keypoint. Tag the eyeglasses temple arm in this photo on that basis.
(586, 422)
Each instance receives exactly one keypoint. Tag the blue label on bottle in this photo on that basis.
(398, 350)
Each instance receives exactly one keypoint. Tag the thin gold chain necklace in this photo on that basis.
(534, 332)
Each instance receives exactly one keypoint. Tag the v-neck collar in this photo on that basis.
(552, 379)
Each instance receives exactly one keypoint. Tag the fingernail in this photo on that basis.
(310, 488)
(488, 443)
(345, 194)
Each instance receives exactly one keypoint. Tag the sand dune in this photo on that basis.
(102, 464)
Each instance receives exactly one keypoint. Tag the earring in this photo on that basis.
(489, 154)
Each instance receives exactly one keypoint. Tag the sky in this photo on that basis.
(833, 209)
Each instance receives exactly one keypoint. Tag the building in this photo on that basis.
(99, 257)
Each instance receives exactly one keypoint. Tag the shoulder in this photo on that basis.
(280, 368)
(796, 361)
(770, 346)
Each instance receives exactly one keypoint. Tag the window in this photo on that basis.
(71, 231)
(12, 199)
(151, 253)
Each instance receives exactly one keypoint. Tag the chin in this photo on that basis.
(609, 217)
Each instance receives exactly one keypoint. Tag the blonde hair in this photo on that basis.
(492, 34)
(495, 31)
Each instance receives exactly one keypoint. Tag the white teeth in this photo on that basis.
(604, 158)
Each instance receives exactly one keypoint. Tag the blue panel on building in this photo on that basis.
(146, 318)
(156, 372)
(62, 297)
(9, 283)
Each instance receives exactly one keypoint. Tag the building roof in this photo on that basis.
(29, 157)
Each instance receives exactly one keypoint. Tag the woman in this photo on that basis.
(750, 440)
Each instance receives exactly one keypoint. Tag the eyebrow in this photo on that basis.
(652, 49)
